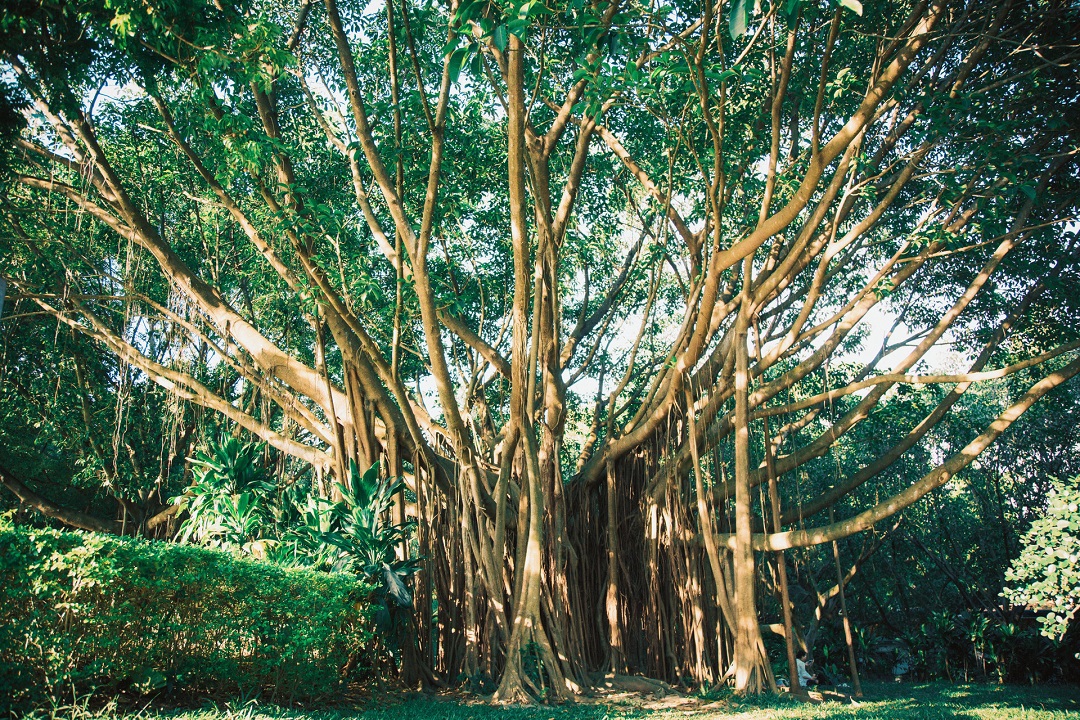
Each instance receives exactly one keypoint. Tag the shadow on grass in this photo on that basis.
(882, 701)
(1053, 698)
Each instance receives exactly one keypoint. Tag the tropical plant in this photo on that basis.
(371, 545)
(227, 505)
(232, 506)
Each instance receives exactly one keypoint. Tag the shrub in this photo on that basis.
(1046, 576)
(82, 611)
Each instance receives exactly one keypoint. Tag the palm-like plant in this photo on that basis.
(232, 506)
(226, 505)
(301, 524)
(365, 536)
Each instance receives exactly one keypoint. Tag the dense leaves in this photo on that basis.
(1046, 575)
(81, 612)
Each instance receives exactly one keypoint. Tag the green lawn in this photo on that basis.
(884, 701)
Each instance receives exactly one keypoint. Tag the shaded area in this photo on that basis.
(884, 701)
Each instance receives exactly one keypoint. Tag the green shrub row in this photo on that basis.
(81, 612)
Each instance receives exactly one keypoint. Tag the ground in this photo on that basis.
(881, 702)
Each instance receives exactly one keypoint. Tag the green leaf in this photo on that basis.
(853, 5)
(501, 37)
(454, 44)
(518, 27)
(721, 76)
(739, 18)
(458, 61)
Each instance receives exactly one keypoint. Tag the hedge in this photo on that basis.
(84, 612)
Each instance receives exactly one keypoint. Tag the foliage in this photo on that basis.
(952, 647)
(233, 506)
(360, 529)
(925, 602)
(1046, 575)
(83, 612)
(225, 503)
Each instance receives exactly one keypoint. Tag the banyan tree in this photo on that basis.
(591, 275)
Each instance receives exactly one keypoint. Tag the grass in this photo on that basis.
(882, 702)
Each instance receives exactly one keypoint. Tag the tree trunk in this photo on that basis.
(750, 665)
(617, 662)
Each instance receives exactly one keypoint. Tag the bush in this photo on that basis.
(82, 612)
(1046, 576)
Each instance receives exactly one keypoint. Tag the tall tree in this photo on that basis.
(688, 211)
